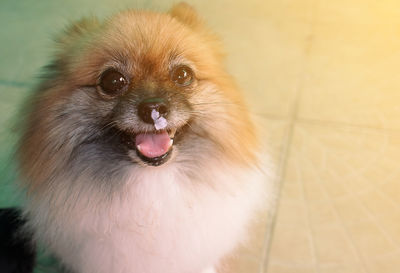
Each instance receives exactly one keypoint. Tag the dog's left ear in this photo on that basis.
(186, 14)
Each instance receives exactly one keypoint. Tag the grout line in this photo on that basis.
(273, 212)
(328, 123)
(287, 147)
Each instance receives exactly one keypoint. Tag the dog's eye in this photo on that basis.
(112, 83)
(182, 75)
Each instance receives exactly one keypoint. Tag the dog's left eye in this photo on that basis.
(182, 75)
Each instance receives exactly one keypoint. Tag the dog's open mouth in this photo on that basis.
(154, 147)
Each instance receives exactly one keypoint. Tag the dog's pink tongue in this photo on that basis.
(153, 145)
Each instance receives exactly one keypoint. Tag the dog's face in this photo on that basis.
(142, 89)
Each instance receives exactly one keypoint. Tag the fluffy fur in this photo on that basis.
(92, 201)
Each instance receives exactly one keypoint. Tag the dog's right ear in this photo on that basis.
(186, 14)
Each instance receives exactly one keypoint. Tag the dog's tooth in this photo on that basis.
(171, 142)
(172, 132)
(139, 148)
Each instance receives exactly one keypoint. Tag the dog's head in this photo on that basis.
(138, 90)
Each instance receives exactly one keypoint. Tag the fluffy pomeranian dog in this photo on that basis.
(138, 153)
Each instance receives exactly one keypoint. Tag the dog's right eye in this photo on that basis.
(112, 83)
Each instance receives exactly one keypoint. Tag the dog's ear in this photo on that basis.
(186, 14)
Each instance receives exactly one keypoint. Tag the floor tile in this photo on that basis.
(388, 264)
(364, 12)
(371, 241)
(268, 66)
(322, 215)
(267, 60)
(351, 75)
(292, 246)
(242, 264)
(343, 268)
(292, 214)
(350, 211)
(342, 229)
(292, 192)
(328, 240)
(282, 268)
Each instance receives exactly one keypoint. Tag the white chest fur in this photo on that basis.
(164, 223)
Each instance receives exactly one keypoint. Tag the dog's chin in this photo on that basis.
(155, 161)
(151, 148)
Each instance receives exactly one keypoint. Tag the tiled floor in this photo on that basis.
(321, 76)
(339, 206)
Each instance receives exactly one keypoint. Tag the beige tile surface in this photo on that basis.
(330, 224)
(282, 268)
(351, 74)
(328, 240)
(365, 12)
(292, 246)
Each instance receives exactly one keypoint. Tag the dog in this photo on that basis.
(138, 153)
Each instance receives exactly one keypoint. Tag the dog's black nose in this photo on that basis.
(151, 109)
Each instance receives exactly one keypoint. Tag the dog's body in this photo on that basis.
(165, 222)
(138, 153)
